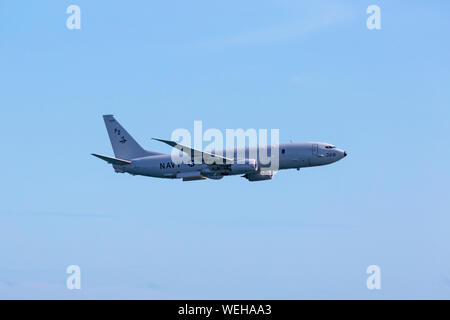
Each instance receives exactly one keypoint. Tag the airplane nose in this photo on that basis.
(345, 154)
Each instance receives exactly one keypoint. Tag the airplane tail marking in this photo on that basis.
(123, 144)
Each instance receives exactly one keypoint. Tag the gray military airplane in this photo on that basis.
(133, 159)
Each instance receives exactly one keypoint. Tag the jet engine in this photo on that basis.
(215, 177)
(218, 171)
(249, 166)
(259, 176)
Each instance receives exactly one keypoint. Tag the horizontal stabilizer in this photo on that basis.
(119, 162)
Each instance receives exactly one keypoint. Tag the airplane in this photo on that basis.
(131, 158)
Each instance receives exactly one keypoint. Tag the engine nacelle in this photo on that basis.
(218, 171)
(259, 176)
(215, 177)
(249, 166)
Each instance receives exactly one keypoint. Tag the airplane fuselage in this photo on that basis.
(291, 156)
(254, 163)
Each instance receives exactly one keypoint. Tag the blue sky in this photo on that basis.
(312, 70)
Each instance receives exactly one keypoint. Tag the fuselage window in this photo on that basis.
(283, 151)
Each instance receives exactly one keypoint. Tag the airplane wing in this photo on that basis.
(112, 160)
(193, 152)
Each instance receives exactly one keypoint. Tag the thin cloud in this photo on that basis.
(60, 214)
(445, 280)
(283, 32)
(52, 290)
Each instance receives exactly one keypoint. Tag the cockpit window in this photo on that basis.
(330, 147)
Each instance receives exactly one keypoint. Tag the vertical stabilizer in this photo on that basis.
(123, 144)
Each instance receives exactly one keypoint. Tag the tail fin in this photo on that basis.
(123, 144)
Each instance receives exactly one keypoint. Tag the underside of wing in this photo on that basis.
(197, 154)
